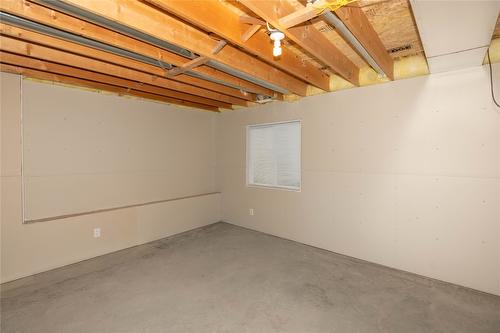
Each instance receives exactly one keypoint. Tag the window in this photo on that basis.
(273, 155)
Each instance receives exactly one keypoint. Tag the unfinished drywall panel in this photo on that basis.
(27, 249)
(405, 174)
(455, 34)
(85, 151)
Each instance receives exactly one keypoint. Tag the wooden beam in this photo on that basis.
(243, 18)
(212, 15)
(188, 66)
(51, 67)
(43, 15)
(307, 37)
(311, 11)
(49, 54)
(96, 85)
(302, 15)
(250, 32)
(358, 24)
(356, 21)
(119, 60)
(151, 21)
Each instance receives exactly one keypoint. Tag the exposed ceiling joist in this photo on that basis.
(85, 51)
(357, 23)
(49, 54)
(306, 36)
(146, 19)
(57, 20)
(99, 86)
(51, 67)
(219, 19)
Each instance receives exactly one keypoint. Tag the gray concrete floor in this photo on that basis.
(224, 278)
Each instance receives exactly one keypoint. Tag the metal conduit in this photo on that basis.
(344, 31)
(102, 21)
(89, 16)
(44, 29)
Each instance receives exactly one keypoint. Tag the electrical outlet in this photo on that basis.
(97, 232)
(251, 212)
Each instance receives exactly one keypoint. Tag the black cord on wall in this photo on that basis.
(491, 80)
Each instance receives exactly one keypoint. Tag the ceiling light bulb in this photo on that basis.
(277, 36)
(277, 48)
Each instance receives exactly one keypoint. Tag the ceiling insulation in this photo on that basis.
(496, 33)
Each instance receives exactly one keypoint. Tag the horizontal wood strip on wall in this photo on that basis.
(66, 216)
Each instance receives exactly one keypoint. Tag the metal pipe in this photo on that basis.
(99, 20)
(123, 29)
(344, 31)
(44, 29)
(246, 77)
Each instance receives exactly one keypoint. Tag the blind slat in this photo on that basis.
(274, 155)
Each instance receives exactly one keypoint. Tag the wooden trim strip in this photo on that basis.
(97, 211)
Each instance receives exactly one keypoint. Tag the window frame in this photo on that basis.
(247, 164)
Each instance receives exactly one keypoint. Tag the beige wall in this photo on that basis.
(405, 174)
(86, 151)
(138, 151)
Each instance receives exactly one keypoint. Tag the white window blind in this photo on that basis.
(273, 155)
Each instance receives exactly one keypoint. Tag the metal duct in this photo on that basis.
(344, 31)
(102, 21)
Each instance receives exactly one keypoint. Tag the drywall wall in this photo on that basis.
(144, 151)
(404, 174)
(85, 151)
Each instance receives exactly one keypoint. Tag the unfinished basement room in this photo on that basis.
(250, 166)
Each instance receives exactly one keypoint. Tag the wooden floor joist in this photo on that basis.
(54, 68)
(149, 20)
(358, 24)
(54, 19)
(353, 16)
(306, 36)
(63, 45)
(49, 54)
(99, 86)
(218, 18)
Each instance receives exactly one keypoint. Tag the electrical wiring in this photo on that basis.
(491, 80)
(333, 6)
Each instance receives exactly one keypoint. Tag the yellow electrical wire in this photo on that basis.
(332, 5)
